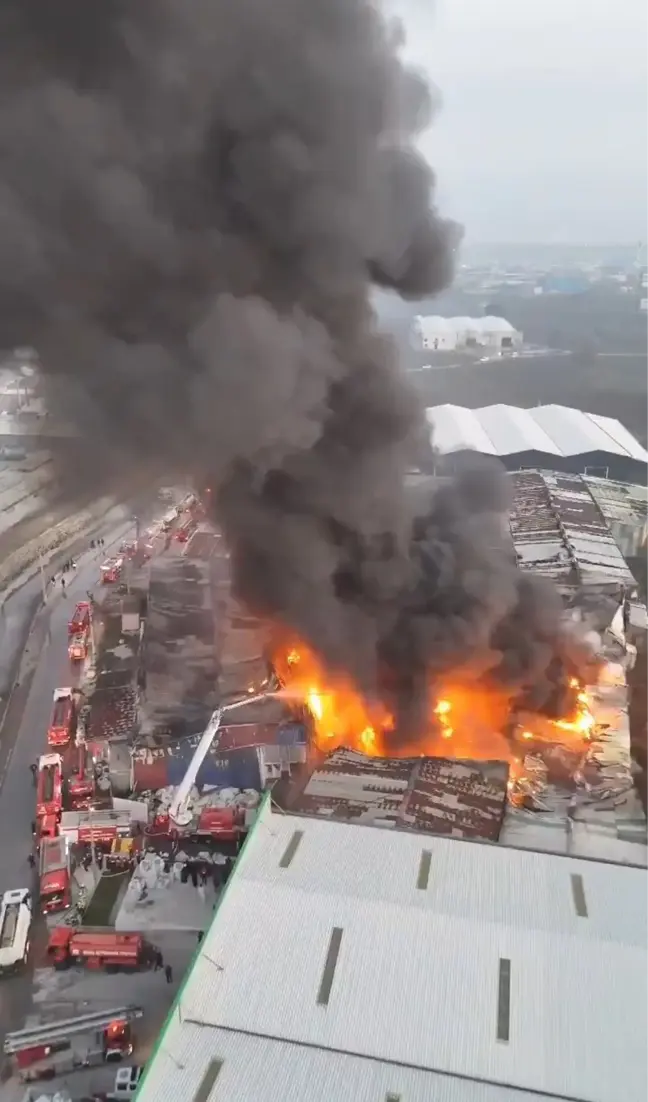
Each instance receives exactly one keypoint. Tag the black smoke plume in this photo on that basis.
(195, 199)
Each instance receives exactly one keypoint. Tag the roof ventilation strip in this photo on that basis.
(207, 1082)
(578, 894)
(328, 975)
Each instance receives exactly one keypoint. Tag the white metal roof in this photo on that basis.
(506, 430)
(432, 325)
(413, 1002)
(456, 428)
(492, 324)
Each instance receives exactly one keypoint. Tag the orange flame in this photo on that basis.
(466, 720)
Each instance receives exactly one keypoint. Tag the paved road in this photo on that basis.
(43, 667)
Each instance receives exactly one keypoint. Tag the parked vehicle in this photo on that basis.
(55, 874)
(15, 926)
(80, 619)
(49, 785)
(99, 949)
(63, 723)
(70, 1044)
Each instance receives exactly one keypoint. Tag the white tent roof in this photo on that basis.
(507, 430)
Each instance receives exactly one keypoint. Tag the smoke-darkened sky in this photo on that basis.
(195, 201)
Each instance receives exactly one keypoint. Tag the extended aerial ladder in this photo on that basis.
(62, 1029)
(179, 812)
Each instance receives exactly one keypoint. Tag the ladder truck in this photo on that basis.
(71, 1044)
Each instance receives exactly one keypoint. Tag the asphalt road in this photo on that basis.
(30, 676)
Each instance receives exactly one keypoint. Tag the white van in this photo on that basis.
(127, 1082)
(15, 925)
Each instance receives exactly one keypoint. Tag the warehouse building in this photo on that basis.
(549, 437)
(437, 334)
(361, 964)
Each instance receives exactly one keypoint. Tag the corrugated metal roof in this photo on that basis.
(430, 795)
(507, 430)
(411, 982)
(558, 530)
(257, 1069)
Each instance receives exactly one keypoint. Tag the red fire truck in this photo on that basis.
(98, 827)
(79, 645)
(222, 824)
(64, 718)
(111, 571)
(80, 776)
(80, 620)
(103, 950)
(47, 826)
(71, 1044)
(55, 874)
(49, 787)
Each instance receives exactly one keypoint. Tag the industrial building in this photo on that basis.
(550, 437)
(437, 334)
(361, 964)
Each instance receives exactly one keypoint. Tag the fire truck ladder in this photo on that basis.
(62, 1029)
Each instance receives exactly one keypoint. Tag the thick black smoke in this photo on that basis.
(195, 198)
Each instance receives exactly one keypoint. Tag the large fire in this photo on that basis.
(466, 720)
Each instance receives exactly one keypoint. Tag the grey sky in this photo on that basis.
(542, 134)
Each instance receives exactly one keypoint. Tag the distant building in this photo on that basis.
(437, 334)
(550, 437)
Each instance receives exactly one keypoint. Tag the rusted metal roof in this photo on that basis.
(461, 799)
(559, 530)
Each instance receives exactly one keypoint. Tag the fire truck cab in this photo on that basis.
(99, 949)
(55, 874)
(111, 571)
(80, 619)
(15, 925)
(49, 785)
(64, 718)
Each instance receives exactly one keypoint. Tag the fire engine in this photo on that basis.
(99, 949)
(64, 718)
(55, 874)
(95, 826)
(80, 620)
(70, 1044)
(15, 924)
(49, 785)
(219, 824)
(80, 776)
(47, 826)
(79, 645)
(111, 571)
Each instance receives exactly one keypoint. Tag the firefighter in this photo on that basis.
(34, 770)
(32, 860)
(168, 972)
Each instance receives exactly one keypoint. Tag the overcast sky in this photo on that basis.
(542, 134)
